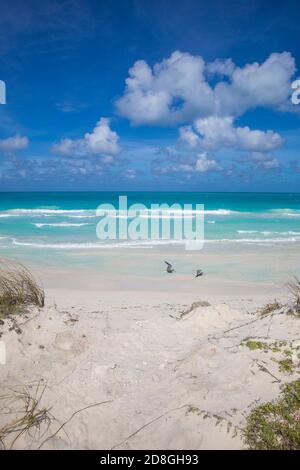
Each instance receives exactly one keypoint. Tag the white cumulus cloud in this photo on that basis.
(174, 90)
(102, 141)
(204, 163)
(200, 163)
(12, 144)
(223, 67)
(188, 135)
(257, 85)
(178, 89)
(264, 160)
(216, 132)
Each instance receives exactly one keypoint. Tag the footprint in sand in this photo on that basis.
(70, 343)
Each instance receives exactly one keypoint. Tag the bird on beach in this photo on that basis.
(169, 268)
(199, 273)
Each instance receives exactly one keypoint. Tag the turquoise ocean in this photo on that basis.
(56, 227)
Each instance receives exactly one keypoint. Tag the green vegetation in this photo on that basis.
(288, 363)
(275, 347)
(286, 366)
(276, 425)
(253, 345)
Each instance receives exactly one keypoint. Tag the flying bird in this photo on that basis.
(199, 273)
(169, 268)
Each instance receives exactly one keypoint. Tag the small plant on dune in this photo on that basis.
(253, 345)
(276, 425)
(270, 308)
(28, 416)
(18, 289)
(286, 366)
(294, 288)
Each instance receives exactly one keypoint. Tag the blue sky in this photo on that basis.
(149, 95)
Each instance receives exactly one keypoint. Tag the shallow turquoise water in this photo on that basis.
(62, 226)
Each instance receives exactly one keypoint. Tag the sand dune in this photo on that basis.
(172, 376)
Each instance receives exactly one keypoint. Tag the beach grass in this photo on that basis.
(294, 288)
(24, 403)
(270, 308)
(18, 289)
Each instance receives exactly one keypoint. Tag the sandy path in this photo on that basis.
(160, 374)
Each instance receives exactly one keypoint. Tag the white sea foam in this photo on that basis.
(61, 224)
(192, 212)
(166, 214)
(149, 243)
(285, 209)
(89, 213)
(268, 233)
(248, 231)
(82, 213)
(255, 240)
(92, 246)
(81, 216)
(48, 211)
(286, 212)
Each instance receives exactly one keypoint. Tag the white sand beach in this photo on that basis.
(163, 365)
(149, 227)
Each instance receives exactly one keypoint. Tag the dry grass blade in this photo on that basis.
(270, 308)
(18, 289)
(71, 417)
(24, 405)
(294, 288)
